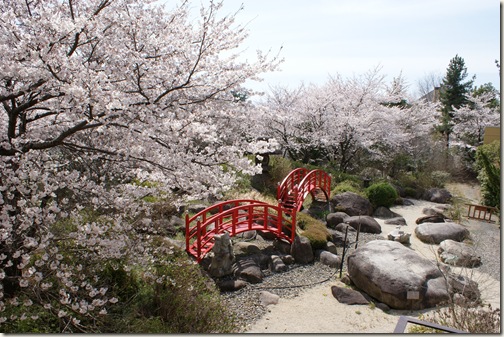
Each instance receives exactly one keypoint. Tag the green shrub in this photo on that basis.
(488, 165)
(170, 297)
(313, 229)
(439, 178)
(381, 194)
(347, 186)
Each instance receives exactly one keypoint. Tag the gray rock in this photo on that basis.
(337, 237)
(367, 224)
(399, 221)
(383, 307)
(301, 250)
(348, 296)
(397, 276)
(330, 259)
(382, 212)
(331, 247)
(342, 228)
(268, 298)
(351, 204)
(334, 219)
(346, 280)
(458, 254)
(287, 259)
(438, 232)
(222, 260)
(248, 248)
(277, 265)
(282, 246)
(248, 270)
(430, 218)
(232, 285)
(407, 202)
(431, 211)
(248, 235)
(262, 260)
(438, 195)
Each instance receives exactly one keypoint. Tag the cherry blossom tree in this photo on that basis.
(344, 118)
(98, 96)
(470, 120)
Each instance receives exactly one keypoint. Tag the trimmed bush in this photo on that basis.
(381, 194)
(314, 230)
(347, 186)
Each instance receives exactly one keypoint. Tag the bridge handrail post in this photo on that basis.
(250, 212)
(187, 231)
(279, 220)
(234, 219)
(198, 239)
(293, 226)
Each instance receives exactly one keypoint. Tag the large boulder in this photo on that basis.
(437, 232)
(351, 204)
(437, 195)
(301, 250)
(397, 276)
(458, 254)
(367, 224)
(334, 219)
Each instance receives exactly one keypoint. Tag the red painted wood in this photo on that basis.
(241, 215)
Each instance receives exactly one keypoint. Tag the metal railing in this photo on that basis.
(404, 320)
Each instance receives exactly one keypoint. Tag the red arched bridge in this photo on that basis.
(241, 215)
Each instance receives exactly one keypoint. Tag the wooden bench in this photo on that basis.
(480, 212)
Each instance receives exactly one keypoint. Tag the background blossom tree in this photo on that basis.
(344, 119)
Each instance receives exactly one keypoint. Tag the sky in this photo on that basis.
(414, 38)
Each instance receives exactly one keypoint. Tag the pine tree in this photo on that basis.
(454, 94)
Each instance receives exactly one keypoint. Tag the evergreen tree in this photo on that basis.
(454, 94)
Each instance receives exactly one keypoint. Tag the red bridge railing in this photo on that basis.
(292, 179)
(247, 215)
(313, 182)
(237, 216)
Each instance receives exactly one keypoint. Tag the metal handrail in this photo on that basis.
(404, 320)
